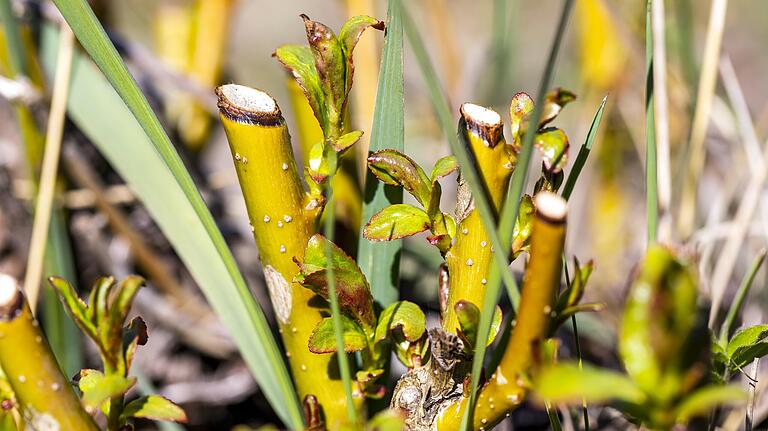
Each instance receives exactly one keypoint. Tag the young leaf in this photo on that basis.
(98, 388)
(395, 168)
(331, 69)
(323, 338)
(553, 145)
(74, 305)
(301, 63)
(348, 36)
(706, 399)
(387, 420)
(153, 407)
(521, 235)
(443, 167)
(569, 383)
(346, 141)
(134, 335)
(404, 315)
(395, 222)
(554, 102)
(519, 110)
(746, 337)
(351, 287)
(469, 317)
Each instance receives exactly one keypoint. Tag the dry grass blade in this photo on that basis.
(661, 115)
(44, 207)
(705, 93)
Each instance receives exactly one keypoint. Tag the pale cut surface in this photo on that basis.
(248, 98)
(551, 205)
(9, 288)
(481, 114)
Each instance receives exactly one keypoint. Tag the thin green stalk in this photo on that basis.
(741, 296)
(380, 261)
(652, 202)
(511, 208)
(581, 158)
(329, 227)
(577, 341)
(16, 52)
(554, 420)
(498, 84)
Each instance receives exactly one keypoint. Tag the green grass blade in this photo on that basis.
(16, 56)
(343, 358)
(380, 261)
(142, 154)
(741, 296)
(581, 158)
(652, 202)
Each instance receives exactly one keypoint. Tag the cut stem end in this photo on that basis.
(248, 105)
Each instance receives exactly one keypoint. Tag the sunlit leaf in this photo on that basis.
(352, 288)
(706, 399)
(395, 222)
(554, 102)
(568, 383)
(395, 168)
(301, 63)
(349, 35)
(444, 166)
(521, 236)
(331, 70)
(154, 407)
(553, 145)
(98, 388)
(404, 315)
(323, 338)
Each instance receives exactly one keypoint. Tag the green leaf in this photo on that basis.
(301, 63)
(568, 383)
(351, 287)
(349, 35)
(404, 315)
(145, 158)
(706, 399)
(331, 69)
(134, 335)
(98, 388)
(153, 407)
(395, 222)
(554, 102)
(395, 168)
(74, 305)
(380, 262)
(443, 167)
(469, 319)
(520, 109)
(553, 145)
(387, 420)
(347, 140)
(323, 339)
(579, 282)
(581, 157)
(521, 236)
(746, 337)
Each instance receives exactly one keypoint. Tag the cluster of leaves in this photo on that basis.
(397, 169)
(399, 327)
(324, 71)
(730, 356)
(102, 319)
(663, 347)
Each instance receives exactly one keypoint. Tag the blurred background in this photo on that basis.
(485, 52)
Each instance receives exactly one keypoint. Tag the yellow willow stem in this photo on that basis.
(283, 219)
(346, 191)
(45, 397)
(209, 39)
(506, 388)
(469, 259)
